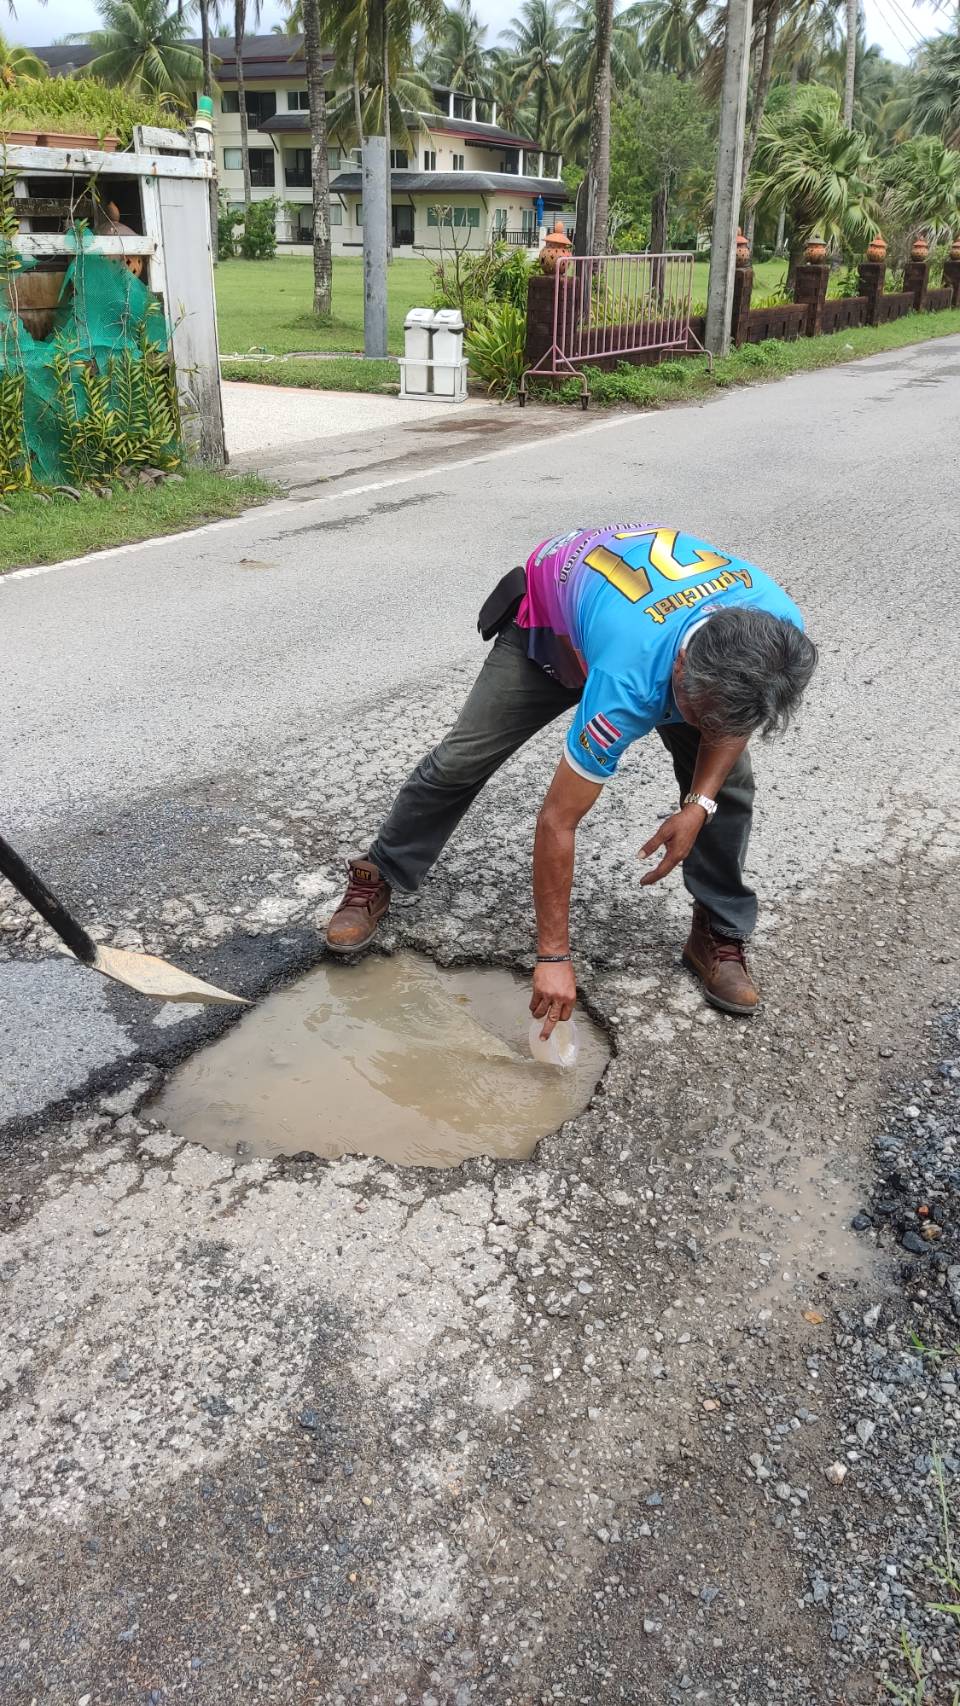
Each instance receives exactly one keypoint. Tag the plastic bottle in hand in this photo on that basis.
(561, 1047)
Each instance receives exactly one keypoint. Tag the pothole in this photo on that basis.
(391, 1057)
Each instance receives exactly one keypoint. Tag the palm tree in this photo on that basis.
(319, 160)
(357, 110)
(239, 31)
(671, 36)
(580, 72)
(808, 30)
(936, 100)
(458, 58)
(142, 47)
(208, 11)
(17, 62)
(535, 43)
(306, 17)
(768, 22)
(513, 106)
(923, 187)
(598, 166)
(850, 69)
(374, 40)
(808, 163)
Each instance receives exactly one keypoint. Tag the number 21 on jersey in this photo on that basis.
(645, 549)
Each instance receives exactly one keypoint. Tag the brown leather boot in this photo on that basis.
(720, 964)
(354, 924)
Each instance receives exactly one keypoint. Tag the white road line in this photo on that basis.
(290, 507)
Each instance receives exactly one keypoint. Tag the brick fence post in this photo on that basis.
(540, 288)
(810, 290)
(871, 274)
(915, 279)
(742, 290)
(951, 278)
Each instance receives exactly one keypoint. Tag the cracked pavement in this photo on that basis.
(343, 1432)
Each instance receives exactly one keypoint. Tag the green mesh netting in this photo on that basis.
(96, 396)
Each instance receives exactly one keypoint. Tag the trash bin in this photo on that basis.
(415, 367)
(449, 369)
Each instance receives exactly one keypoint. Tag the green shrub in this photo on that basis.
(258, 240)
(509, 279)
(60, 105)
(496, 348)
(471, 281)
(630, 240)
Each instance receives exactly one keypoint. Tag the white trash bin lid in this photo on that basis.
(448, 320)
(422, 317)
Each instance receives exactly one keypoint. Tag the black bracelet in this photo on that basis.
(554, 959)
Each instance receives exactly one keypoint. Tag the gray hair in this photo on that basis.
(746, 670)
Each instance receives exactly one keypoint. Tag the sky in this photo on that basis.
(895, 25)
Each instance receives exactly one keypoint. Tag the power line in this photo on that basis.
(906, 19)
(891, 26)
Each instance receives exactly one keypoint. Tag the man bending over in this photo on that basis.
(632, 629)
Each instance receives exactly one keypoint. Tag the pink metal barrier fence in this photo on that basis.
(615, 305)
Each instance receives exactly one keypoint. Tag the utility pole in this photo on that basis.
(727, 196)
(375, 246)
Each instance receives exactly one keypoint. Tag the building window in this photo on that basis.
(333, 159)
(459, 217)
(429, 159)
(461, 106)
(500, 221)
(296, 169)
(262, 168)
(399, 159)
(261, 104)
(336, 213)
(261, 165)
(298, 100)
(458, 162)
(358, 213)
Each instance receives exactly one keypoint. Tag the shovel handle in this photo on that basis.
(44, 901)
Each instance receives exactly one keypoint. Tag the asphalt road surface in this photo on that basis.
(493, 1437)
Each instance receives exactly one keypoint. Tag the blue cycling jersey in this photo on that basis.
(608, 609)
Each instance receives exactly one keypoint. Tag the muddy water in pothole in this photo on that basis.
(391, 1057)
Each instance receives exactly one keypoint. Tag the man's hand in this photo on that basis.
(676, 835)
(554, 994)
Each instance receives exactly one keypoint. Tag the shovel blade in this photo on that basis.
(149, 975)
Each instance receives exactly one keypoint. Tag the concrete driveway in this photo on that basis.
(260, 420)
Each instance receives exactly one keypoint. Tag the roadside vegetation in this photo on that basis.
(678, 381)
(48, 529)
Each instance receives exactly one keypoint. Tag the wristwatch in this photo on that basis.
(701, 800)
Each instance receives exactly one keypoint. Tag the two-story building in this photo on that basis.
(462, 173)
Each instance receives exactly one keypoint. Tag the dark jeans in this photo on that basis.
(511, 700)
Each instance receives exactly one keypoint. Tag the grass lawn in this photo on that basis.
(267, 305)
(334, 375)
(37, 532)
